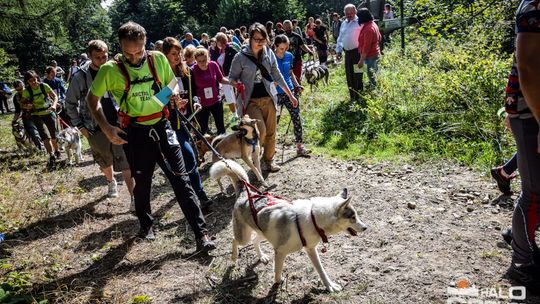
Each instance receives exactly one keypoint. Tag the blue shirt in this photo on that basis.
(235, 39)
(185, 43)
(285, 65)
(348, 35)
(58, 87)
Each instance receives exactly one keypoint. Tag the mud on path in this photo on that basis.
(429, 224)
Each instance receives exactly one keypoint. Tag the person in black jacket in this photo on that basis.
(226, 55)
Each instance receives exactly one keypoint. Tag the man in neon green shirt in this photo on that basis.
(133, 78)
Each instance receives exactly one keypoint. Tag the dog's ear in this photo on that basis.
(344, 204)
(235, 128)
(344, 193)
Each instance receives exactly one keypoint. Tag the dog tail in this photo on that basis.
(230, 168)
(218, 139)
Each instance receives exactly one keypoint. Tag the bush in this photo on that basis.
(438, 98)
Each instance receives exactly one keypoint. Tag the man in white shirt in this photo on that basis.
(348, 41)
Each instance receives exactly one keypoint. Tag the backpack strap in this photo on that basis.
(123, 70)
(151, 65)
(156, 86)
(43, 91)
(264, 72)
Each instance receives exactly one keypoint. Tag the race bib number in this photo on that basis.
(273, 90)
(208, 93)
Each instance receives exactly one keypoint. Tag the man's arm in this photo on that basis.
(113, 133)
(528, 62)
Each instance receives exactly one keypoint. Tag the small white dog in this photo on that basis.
(290, 226)
(70, 138)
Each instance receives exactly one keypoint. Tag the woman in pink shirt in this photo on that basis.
(369, 40)
(207, 75)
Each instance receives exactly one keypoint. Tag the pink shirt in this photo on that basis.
(369, 40)
(207, 83)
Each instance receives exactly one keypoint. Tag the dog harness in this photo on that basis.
(253, 198)
(241, 133)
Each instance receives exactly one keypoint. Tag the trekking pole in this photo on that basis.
(285, 139)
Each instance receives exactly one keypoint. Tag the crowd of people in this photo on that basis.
(110, 101)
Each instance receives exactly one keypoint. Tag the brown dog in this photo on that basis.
(202, 148)
(244, 143)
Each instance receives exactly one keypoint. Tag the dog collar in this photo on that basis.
(320, 231)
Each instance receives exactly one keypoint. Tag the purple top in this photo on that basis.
(207, 83)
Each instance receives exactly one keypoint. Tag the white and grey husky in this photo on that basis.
(290, 226)
(70, 138)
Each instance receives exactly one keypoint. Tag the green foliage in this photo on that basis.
(144, 299)
(457, 19)
(233, 13)
(7, 65)
(439, 98)
(160, 18)
(39, 31)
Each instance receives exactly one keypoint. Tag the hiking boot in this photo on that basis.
(206, 203)
(146, 233)
(271, 167)
(502, 182)
(303, 152)
(507, 236)
(526, 274)
(113, 189)
(205, 244)
(132, 205)
(52, 160)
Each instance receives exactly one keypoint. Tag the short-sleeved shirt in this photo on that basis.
(207, 83)
(40, 102)
(285, 65)
(139, 101)
(527, 21)
(295, 43)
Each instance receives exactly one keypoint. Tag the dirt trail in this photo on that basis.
(429, 224)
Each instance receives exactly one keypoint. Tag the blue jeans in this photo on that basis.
(511, 165)
(190, 162)
(372, 68)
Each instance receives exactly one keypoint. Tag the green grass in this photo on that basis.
(438, 100)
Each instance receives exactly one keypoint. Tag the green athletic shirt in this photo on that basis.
(39, 100)
(139, 100)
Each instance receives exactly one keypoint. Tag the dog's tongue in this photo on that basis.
(352, 231)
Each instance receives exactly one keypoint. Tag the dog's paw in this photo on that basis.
(333, 287)
(264, 259)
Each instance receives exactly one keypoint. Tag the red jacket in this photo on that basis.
(369, 40)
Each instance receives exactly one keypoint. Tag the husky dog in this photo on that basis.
(70, 138)
(314, 72)
(291, 226)
(244, 143)
(24, 144)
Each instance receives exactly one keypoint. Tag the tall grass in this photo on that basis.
(437, 99)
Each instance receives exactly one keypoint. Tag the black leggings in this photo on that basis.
(217, 112)
(283, 100)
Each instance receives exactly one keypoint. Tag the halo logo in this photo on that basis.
(461, 291)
